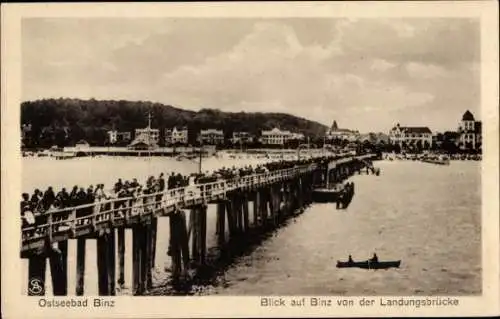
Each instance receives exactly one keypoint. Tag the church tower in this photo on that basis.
(334, 126)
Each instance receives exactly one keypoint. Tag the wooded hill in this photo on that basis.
(64, 121)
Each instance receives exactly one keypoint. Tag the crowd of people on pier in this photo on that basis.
(35, 208)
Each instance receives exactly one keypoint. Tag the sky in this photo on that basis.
(367, 74)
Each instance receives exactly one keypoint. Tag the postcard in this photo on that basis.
(245, 159)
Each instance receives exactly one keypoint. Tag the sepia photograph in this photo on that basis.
(252, 156)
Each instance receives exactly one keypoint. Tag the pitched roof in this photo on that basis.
(82, 142)
(416, 129)
(468, 116)
(276, 131)
(142, 140)
(211, 131)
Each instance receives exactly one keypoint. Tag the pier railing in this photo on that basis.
(72, 222)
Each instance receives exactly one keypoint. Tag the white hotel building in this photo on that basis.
(410, 135)
(278, 137)
(211, 137)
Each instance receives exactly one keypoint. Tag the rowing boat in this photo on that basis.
(369, 264)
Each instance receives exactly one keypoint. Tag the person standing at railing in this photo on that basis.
(48, 198)
(38, 208)
(90, 199)
(73, 197)
(99, 196)
(150, 189)
(120, 206)
(27, 217)
(118, 185)
(171, 181)
(161, 182)
(160, 187)
(63, 198)
(35, 201)
(80, 199)
(179, 180)
(134, 183)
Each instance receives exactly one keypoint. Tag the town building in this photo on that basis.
(112, 137)
(149, 134)
(82, 145)
(275, 137)
(279, 137)
(470, 132)
(334, 132)
(298, 136)
(242, 137)
(146, 138)
(406, 136)
(211, 137)
(124, 136)
(176, 136)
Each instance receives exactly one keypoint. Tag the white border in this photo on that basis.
(14, 304)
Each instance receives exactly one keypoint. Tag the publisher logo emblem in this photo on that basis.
(36, 287)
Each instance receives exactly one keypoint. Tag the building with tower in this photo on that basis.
(470, 132)
(334, 132)
(146, 138)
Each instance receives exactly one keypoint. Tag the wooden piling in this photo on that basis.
(194, 221)
(137, 244)
(36, 275)
(284, 201)
(264, 207)
(59, 282)
(102, 265)
(154, 236)
(203, 233)
(148, 278)
(256, 209)
(183, 240)
(236, 212)
(239, 205)
(175, 251)
(246, 220)
(80, 266)
(230, 218)
(272, 205)
(121, 256)
(221, 223)
(111, 261)
(63, 247)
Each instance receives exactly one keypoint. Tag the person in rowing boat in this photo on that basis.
(374, 259)
(350, 261)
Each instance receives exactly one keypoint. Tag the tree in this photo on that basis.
(404, 146)
(87, 119)
(418, 146)
(397, 148)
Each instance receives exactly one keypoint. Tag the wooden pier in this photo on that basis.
(276, 196)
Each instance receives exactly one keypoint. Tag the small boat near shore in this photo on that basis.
(436, 161)
(327, 194)
(441, 160)
(367, 264)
